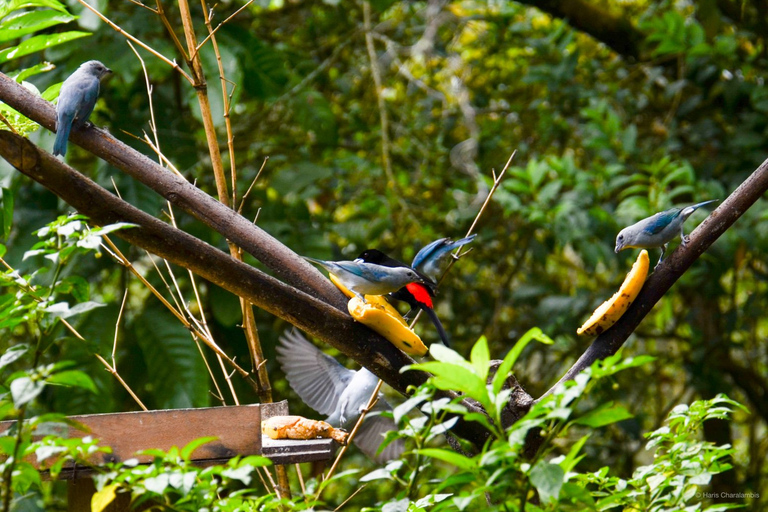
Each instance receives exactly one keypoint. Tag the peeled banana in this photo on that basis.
(609, 312)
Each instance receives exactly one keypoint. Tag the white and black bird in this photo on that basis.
(329, 388)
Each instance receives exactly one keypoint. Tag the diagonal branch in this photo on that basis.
(617, 32)
(306, 312)
(672, 268)
(234, 227)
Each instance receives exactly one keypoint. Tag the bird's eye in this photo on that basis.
(621, 237)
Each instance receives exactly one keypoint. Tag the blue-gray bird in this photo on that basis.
(657, 230)
(330, 388)
(369, 278)
(77, 98)
(431, 259)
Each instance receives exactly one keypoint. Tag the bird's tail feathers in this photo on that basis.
(687, 211)
(438, 325)
(62, 136)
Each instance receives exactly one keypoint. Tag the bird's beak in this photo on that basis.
(109, 71)
(617, 249)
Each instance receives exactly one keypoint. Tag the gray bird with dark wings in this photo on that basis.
(329, 388)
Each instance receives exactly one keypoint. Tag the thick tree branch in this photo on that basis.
(308, 313)
(236, 228)
(616, 32)
(672, 268)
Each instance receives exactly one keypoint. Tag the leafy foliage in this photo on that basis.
(603, 140)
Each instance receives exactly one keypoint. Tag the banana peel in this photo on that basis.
(609, 312)
(299, 427)
(382, 317)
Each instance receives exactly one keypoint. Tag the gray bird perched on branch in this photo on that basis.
(368, 278)
(330, 388)
(657, 230)
(77, 98)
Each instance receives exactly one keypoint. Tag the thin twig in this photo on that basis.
(458, 254)
(113, 368)
(151, 50)
(247, 192)
(350, 497)
(383, 116)
(117, 328)
(31, 289)
(208, 342)
(212, 32)
(8, 124)
(301, 480)
(144, 6)
(152, 123)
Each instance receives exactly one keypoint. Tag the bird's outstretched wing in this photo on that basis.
(316, 377)
(430, 258)
(371, 434)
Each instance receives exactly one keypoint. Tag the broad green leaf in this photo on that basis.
(75, 378)
(440, 352)
(480, 357)
(24, 390)
(28, 22)
(104, 230)
(449, 376)
(42, 67)
(8, 7)
(38, 43)
(12, 354)
(511, 358)
(605, 414)
(573, 458)
(457, 459)
(547, 478)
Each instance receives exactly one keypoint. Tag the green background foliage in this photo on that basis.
(602, 140)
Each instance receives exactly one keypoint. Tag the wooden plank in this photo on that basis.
(289, 451)
(237, 429)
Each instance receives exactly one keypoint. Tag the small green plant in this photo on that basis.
(33, 308)
(500, 477)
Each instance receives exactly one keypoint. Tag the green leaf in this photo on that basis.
(6, 212)
(457, 459)
(13, 354)
(547, 478)
(570, 460)
(7, 7)
(511, 357)
(480, 357)
(448, 376)
(38, 43)
(24, 390)
(605, 414)
(74, 378)
(193, 445)
(28, 22)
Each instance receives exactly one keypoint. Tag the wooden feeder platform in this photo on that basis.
(237, 429)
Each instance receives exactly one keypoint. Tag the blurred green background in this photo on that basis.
(676, 114)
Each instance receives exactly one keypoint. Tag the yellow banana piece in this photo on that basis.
(609, 312)
(382, 317)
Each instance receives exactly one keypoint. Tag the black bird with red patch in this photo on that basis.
(417, 295)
